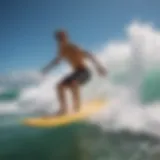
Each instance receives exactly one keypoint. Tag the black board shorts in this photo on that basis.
(80, 75)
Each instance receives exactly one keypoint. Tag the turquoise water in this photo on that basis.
(150, 88)
(19, 142)
(79, 141)
(9, 94)
(74, 142)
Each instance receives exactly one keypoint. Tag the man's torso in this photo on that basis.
(73, 55)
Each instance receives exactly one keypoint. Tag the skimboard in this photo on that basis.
(87, 110)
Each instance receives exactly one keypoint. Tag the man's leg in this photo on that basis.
(79, 78)
(75, 89)
(62, 99)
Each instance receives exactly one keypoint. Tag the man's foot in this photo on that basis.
(60, 113)
(77, 110)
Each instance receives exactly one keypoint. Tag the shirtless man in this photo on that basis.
(75, 56)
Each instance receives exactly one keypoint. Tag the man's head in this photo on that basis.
(61, 36)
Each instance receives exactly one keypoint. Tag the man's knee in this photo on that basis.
(74, 84)
(60, 87)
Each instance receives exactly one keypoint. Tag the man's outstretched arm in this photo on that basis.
(52, 64)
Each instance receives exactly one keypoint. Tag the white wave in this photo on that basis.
(10, 107)
(132, 55)
(124, 110)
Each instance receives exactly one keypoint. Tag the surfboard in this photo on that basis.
(87, 110)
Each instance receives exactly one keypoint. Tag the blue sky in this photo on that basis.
(26, 26)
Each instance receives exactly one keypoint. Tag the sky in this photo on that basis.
(26, 26)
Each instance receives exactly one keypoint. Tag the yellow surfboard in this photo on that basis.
(87, 110)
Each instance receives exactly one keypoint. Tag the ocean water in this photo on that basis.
(127, 128)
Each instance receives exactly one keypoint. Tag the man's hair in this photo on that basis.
(60, 33)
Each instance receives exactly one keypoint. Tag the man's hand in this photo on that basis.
(52, 64)
(101, 70)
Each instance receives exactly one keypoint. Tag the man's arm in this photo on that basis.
(101, 70)
(98, 66)
(52, 64)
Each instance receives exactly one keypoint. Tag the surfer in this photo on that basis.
(75, 56)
